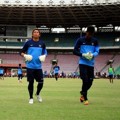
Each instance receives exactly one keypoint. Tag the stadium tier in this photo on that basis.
(14, 44)
(116, 64)
(101, 61)
(68, 40)
(48, 64)
(11, 58)
(68, 63)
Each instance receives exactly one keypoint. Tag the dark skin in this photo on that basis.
(89, 35)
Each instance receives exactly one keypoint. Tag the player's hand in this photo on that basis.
(27, 57)
(88, 55)
(42, 58)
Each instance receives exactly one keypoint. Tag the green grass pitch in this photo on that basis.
(60, 100)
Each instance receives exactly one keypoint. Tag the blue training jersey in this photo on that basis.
(19, 70)
(36, 49)
(84, 46)
(1, 71)
(56, 69)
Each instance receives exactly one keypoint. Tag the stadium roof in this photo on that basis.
(52, 14)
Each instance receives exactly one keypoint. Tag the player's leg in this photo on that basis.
(18, 77)
(21, 76)
(89, 81)
(90, 76)
(3, 76)
(112, 79)
(0, 76)
(83, 75)
(39, 87)
(56, 76)
(31, 88)
(39, 78)
(30, 79)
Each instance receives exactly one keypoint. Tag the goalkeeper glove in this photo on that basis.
(42, 58)
(27, 57)
(88, 55)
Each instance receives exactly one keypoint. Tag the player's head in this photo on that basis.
(55, 64)
(90, 31)
(36, 33)
(19, 65)
(110, 65)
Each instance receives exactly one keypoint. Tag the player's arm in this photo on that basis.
(23, 53)
(96, 52)
(44, 54)
(113, 70)
(24, 49)
(44, 51)
(76, 50)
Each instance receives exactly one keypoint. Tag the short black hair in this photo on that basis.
(90, 29)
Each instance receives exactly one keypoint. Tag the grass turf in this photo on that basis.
(60, 100)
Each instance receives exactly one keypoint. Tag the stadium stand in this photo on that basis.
(101, 63)
(48, 64)
(68, 63)
(9, 58)
(107, 39)
(117, 71)
(16, 26)
(8, 43)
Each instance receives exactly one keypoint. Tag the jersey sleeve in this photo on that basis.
(96, 52)
(58, 67)
(44, 51)
(25, 48)
(76, 50)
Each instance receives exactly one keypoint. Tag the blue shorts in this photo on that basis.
(110, 76)
(20, 76)
(36, 74)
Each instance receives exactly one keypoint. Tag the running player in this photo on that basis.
(56, 69)
(34, 51)
(87, 49)
(20, 75)
(2, 73)
(111, 73)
